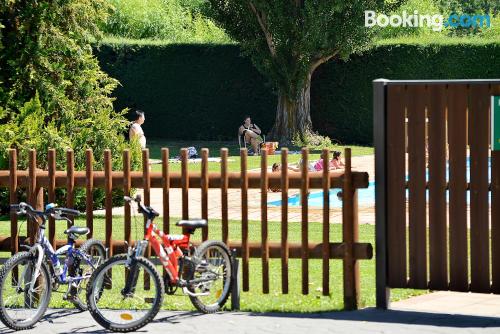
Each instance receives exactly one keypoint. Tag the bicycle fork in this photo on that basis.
(38, 265)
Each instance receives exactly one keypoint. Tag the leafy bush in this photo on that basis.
(313, 141)
(170, 20)
(56, 95)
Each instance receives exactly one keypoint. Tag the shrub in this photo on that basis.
(55, 94)
(171, 20)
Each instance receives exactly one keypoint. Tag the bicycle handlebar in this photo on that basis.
(55, 212)
(146, 210)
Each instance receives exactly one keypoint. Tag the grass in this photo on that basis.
(214, 147)
(254, 300)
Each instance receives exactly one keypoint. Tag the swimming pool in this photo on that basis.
(366, 197)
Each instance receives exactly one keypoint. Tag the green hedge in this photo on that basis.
(203, 91)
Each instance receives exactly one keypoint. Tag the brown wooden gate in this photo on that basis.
(436, 204)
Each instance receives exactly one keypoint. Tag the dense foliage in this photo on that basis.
(177, 21)
(54, 93)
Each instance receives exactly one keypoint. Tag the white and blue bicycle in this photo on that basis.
(28, 278)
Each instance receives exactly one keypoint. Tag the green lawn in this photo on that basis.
(214, 147)
(255, 300)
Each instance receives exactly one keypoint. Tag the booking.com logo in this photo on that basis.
(437, 21)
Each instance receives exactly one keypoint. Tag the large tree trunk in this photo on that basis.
(293, 116)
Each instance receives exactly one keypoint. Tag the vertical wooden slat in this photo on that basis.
(457, 108)
(14, 241)
(185, 183)
(264, 226)
(223, 189)
(349, 236)
(70, 181)
(416, 103)
(326, 222)
(126, 191)
(89, 188)
(166, 189)
(52, 194)
(146, 181)
(147, 202)
(204, 191)
(245, 252)
(438, 249)
(396, 193)
(479, 196)
(495, 213)
(304, 192)
(108, 188)
(284, 220)
(32, 191)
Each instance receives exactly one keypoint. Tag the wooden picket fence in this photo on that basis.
(349, 250)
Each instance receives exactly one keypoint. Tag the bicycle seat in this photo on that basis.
(192, 223)
(77, 230)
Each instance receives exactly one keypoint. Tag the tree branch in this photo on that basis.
(321, 60)
(261, 18)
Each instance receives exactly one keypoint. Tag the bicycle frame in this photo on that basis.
(169, 250)
(43, 247)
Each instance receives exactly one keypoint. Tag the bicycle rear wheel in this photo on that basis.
(121, 307)
(96, 252)
(211, 281)
(21, 304)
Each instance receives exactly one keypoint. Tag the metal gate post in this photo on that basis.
(235, 284)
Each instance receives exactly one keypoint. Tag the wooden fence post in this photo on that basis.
(284, 220)
(89, 187)
(304, 195)
(108, 187)
(264, 186)
(326, 222)
(166, 189)
(126, 192)
(350, 233)
(70, 181)
(52, 194)
(13, 200)
(35, 194)
(223, 189)
(245, 250)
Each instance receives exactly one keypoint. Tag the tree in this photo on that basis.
(53, 93)
(287, 40)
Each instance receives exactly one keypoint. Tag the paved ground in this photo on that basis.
(441, 312)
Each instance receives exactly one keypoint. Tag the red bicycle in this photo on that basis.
(126, 292)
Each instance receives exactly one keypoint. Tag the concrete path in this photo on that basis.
(441, 312)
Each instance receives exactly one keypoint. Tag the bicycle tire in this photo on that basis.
(92, 307)
(222, 299)
(85, 248)
(9, 265)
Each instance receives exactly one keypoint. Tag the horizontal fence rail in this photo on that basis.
(349, 250)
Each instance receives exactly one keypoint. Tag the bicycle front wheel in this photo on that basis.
(24, 298)
(118, 295)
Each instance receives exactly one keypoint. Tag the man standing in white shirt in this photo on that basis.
(136, 129)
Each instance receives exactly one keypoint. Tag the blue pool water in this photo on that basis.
(366, 197)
